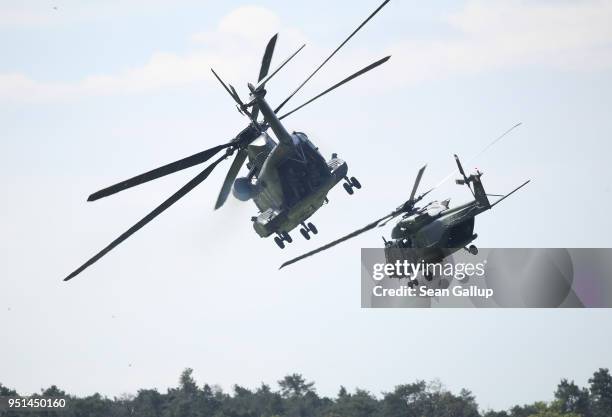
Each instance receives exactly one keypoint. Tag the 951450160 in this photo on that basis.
(32, 403)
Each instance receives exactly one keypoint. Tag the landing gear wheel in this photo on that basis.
(348, 188)
(312, 228)
(355, 183)
(286, 237)
(279, 242)
(305, 233)
(473, 249)
(428, 277)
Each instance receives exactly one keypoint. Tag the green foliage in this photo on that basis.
(572, 399)
(601, 394)
(296, 397)
(544, 410)
(295, 385)
(492, 413)
(422, 400)
(5, 392)
(359, 404)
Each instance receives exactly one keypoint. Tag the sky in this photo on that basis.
(95, 92)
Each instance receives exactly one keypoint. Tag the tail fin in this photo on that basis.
(479, 192)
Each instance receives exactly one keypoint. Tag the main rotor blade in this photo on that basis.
(170, 168)
(335, 242)
(510, 193)
(236, 96)
(236, 99)
(232, 92)
(346, 80)
(263, 82)
(265, 67)
(267, 58)
(330, 57)
(390, 217)
(452, 173)
(408, 207)
(417, 182)
(230, 177)
(156, 212)
(500, 137)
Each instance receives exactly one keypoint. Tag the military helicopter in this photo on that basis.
(288, 180)
(434, 231)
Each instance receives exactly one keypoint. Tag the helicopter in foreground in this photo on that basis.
(288, 178)
(434, 231)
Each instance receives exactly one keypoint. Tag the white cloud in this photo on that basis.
(162, 70)
(240, 22)
(506, 34)
(226, 49)
(484, 36)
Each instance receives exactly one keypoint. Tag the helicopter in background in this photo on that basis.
(436, 231)
(432, 232)
(288, 178)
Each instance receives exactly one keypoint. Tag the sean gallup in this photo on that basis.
(423, 291)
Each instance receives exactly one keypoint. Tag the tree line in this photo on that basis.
(297, 397)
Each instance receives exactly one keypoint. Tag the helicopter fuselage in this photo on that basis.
(288, 177)
(437, 232)
(287, 184)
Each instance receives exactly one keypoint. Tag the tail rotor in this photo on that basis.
(466, 180)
